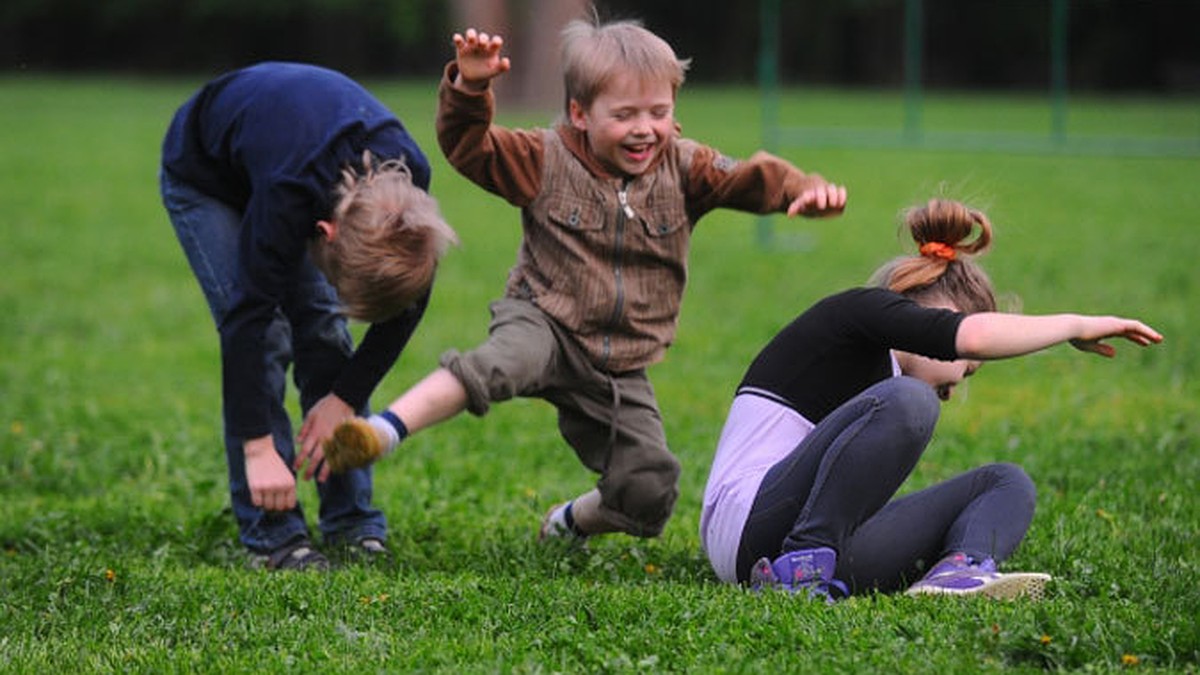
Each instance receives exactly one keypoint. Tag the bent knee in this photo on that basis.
(915, 407)
(1014, 477)
(644, 499)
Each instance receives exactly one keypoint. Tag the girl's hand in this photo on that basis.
(1099, 328)
(478, 58)
(818, 202)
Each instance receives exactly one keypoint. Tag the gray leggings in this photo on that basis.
(834, 490)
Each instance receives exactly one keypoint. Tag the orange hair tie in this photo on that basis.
(936, 249)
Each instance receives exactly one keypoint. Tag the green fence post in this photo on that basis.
(1058, 71)
(914, 15)
(768, 79)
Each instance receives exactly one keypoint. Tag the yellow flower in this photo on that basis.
(110, 576)
(650, 568)
(16, 428)
(1129, 659)
(1045, 639)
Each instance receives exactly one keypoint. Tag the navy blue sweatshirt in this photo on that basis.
(271, 141)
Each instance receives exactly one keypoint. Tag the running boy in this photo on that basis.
(836, 410)
(299, 199)
(608, 200)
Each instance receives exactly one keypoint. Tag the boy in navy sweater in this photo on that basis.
(300, 200)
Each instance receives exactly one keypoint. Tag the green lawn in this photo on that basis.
(117, 549)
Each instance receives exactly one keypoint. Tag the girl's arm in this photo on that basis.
(995, 335)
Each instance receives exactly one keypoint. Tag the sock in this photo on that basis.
(390, 427)
(563, 520)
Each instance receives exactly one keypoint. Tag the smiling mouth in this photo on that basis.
(639, 152)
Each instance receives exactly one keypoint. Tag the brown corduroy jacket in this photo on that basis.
(604, 255)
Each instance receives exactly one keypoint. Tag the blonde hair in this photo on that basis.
(390, 236)
(594, 53)
(948, 234)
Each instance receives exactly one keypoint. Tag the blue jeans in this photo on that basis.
(835, 489)
(309, 329)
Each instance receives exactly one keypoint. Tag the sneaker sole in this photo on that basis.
(353, 445)
(1006, 586)
(763, 576)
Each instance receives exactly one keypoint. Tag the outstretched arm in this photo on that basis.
(995, 335)
(478, 59)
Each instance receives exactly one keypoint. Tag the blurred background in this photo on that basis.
(1141, 46)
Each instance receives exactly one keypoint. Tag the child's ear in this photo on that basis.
(328, 229)
(578, 115)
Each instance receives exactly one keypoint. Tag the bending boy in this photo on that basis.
(270, 177)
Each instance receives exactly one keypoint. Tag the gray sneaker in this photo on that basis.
(958, 574)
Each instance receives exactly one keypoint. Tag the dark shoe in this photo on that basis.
(299, 556)
(370, 550)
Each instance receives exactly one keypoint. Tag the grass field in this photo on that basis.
(117, 550)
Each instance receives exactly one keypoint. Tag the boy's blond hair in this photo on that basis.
(594, 53)
(390, 236)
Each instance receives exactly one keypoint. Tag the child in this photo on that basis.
(608, 201)
(270, 177)
(836, 410)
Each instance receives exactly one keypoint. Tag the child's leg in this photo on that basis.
(844, 471)
(614, 426)
(983, 513)
(208, 231)
(436, 398)
(518, 359)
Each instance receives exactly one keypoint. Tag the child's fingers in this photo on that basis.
(827, 199)
(1094, 346)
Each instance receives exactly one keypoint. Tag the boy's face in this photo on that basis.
(628, 123)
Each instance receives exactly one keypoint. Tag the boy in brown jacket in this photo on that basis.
(608, 200)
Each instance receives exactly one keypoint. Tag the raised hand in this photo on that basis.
(478, 58)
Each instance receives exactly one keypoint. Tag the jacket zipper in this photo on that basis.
(623, 218)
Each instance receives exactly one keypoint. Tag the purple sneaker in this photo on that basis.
(958, 574)
(808, 570)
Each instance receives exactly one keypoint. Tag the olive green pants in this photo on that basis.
(611, 420)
